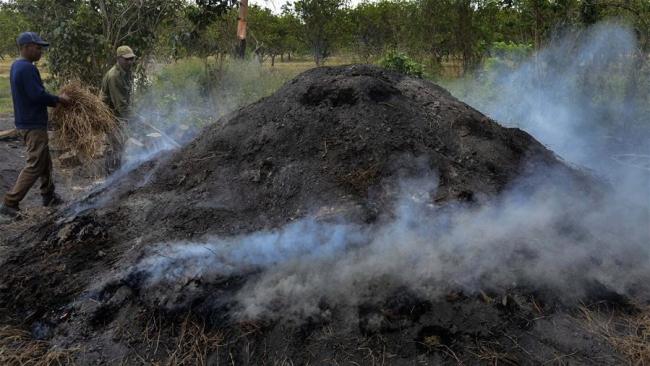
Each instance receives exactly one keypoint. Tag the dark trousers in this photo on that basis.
(113, 153)
(39, 166)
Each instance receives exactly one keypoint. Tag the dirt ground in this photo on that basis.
(334, 143)
(71, 183)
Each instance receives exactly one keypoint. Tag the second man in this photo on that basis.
(117, 86)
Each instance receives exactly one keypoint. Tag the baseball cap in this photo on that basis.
(30, 37)
(125, 51)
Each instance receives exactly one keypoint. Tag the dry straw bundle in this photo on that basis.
(84, 125)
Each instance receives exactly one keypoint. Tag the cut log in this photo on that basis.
(9, 134)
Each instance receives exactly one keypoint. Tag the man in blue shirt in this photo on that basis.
(30, 102)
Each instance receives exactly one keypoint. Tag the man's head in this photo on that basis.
(31, 46)
(125, 57)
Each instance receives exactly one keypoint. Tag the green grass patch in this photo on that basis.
(6, 105)
(5, 65)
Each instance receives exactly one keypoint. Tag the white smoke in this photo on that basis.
(549, 239)
(184, 97)
(571, 95)
(218, 257)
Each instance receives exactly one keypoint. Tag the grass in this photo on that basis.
(5, 64)
(194, 92)
(194, 344)
(171, 343)
(629, 334)
(18, 348)
(6, 106)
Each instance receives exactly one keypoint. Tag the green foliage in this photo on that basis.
(400, 62)
(85, 34)
(6, 105)
(206, 12)
(266, 31)
(507, 55)
(272, 35)
(12, 23)
(589, 12)
(444, 35)
(198, 31)
(206, 28)
(321, 26)
(78, 48)
(378, 26)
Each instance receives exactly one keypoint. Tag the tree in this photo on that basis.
(85, 33)
(378, 27)
(319, 25)
(433, 28)
(291, 26)
(12, 23)
(589, 12)
(212, 36)
(274, 35)
(265, 29)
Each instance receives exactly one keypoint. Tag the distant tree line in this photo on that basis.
(429, 31)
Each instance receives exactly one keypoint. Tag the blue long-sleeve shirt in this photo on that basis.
(29, 96)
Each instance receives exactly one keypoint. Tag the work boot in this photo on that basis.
(51, 200)
(9, 212)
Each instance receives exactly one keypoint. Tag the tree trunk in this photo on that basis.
(241, 28)
(464, 37)
(317, 56)
(241, 49)
(631, 91)
(272, 60)
(537, 31)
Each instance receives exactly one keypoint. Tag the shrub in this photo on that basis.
(400, 62)
(507, 54)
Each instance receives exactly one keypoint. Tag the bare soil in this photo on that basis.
(334, 143)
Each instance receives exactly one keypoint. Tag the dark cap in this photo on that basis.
(31, 37)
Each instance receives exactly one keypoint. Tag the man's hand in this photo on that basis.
(64, 99)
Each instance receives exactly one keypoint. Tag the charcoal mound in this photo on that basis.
(333, 143)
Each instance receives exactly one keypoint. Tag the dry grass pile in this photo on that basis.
(165, 343)
(18, 348)
(629, 334)
(193, 344)
(84, 125)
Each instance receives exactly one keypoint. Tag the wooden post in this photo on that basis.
(241, 27)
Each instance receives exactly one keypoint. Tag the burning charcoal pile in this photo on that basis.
(356, 215)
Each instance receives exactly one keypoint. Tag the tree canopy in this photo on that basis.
(84, 33)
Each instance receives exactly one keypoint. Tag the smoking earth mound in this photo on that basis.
(341, 167)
